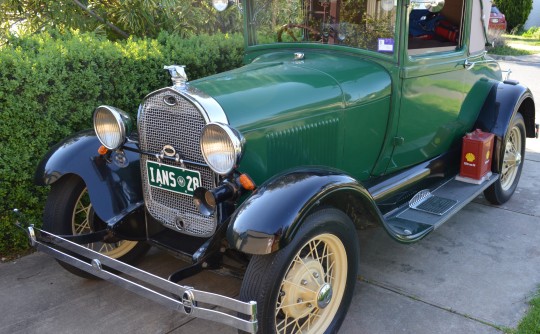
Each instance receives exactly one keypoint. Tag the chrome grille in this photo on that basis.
(162, 122)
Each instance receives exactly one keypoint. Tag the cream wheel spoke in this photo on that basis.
(310, 319)
(287, 324)
(85, 225)
(105, 248)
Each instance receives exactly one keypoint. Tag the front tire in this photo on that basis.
(68, 211)
(308, 285)
(514, 154)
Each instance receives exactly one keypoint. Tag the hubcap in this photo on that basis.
(313, 287)
(512, 158)
(324, 296)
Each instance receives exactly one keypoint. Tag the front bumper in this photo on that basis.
(148, 285)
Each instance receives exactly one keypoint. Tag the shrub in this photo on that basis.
(50, 84)
(515, 11)
(533, 32)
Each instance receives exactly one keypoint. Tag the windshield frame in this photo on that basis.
(253, 49)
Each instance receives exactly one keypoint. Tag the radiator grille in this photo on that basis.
(162, 121)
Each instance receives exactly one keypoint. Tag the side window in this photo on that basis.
(435, 26)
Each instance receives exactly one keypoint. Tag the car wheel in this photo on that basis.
(512, 164)
(307, 286)
(68, 211)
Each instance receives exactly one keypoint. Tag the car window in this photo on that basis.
(435, 31)
(361, 24)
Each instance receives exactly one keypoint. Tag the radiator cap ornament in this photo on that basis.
(178, 75)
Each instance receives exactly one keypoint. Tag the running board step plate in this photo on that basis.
(428, 210)
(427, 202)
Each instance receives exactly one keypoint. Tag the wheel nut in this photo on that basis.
(299, 300)
(309, 305)
(282, 293)
(303, 282)
(316, 274)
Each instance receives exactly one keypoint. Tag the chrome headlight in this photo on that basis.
(111, 126)
(221, 147)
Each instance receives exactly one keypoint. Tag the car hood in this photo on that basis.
(275, 87)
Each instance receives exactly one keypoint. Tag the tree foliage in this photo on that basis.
(515, 11)
(117, 19)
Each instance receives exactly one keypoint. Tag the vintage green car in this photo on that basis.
(346, 113)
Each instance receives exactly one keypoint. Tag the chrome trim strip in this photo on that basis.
(398, 182)
(207, 106)
(45, 242)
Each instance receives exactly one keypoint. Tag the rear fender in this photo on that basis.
(269, 219)
(503, 101)
(113, 182)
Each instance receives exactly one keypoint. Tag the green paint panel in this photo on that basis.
(305, 112)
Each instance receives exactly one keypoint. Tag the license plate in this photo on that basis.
(175, 179)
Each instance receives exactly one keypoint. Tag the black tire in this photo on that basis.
(503, 189)
(285, 288)
(63, 216)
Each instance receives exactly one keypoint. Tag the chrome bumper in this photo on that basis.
(152, 287)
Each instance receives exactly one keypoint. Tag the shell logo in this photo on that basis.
(470, 157)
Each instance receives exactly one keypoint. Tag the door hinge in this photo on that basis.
(398, 141)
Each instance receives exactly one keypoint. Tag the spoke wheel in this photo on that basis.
(511, 164)
(84, 221)
(68, 211)
(307, 286)
(512, 158)
(311, 292)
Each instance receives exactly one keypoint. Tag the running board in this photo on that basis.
(180, 298)
(428, 210)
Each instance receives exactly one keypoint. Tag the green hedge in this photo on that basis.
(50, 84)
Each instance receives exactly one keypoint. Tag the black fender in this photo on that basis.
(269, 219)
(113, 181)
(503, 101)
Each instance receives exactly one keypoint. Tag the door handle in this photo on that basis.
(469, 64)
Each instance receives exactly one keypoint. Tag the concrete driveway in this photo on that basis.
(473, 275)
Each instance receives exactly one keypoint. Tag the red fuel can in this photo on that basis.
(476, 154)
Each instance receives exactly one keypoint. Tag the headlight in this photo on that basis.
(112, 126)
(221, 147)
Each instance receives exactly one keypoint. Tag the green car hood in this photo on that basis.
(275, 87)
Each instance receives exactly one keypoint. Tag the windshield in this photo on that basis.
(365, 24)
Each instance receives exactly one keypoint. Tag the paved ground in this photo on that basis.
(473, 275)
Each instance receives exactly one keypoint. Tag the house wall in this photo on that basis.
(534, 16)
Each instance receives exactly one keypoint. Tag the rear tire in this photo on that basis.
(514, 154)
(68, 211)
(308, 285)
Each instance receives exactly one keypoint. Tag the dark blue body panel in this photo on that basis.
(504, 100)
(269, 219)
(502, 103)
(114, 184)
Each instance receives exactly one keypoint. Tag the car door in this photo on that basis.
(434, 85)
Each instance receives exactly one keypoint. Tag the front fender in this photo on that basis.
(114, 185)
(269, 219)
